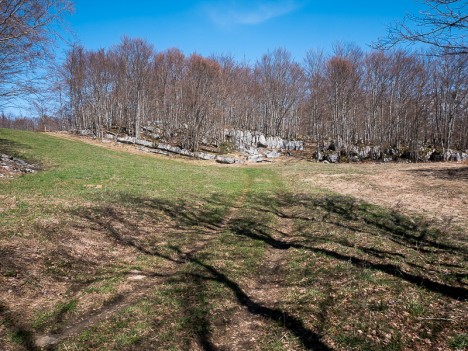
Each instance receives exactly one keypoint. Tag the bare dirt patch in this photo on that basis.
(436, 191)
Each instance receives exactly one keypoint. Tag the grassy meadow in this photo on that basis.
(109, 250)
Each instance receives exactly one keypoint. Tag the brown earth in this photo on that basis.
(437, 191)
(96, 245)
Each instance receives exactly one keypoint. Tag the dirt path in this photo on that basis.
(264, 298)
(48, 341)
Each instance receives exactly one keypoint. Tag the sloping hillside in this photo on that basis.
(111, 250)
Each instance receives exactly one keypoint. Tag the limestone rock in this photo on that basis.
(226, 160)
(272, 154)
(204, 156)
(262, 141)
(318, 156)
(143, 142)
(85, 132)
(256, 158)
(126, 139)
(333, 157)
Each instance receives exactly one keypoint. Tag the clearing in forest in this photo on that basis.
(109, 250)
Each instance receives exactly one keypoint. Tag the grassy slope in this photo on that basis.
(179, 256)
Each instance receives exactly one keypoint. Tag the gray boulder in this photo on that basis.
(293, 145)
(226, 160)
(126, 139)
(248, 138)
(85, 132)
(144, 142)
(252, 151)
(204, 156)
(318, 156)
(272, 154)
(256, 158)
(332, 157)
(175, 150)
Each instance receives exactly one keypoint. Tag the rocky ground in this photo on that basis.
(11, 166)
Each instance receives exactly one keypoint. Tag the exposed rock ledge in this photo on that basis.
(165, 149)
(9, 166)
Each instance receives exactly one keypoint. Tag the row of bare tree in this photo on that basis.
(42, 124)
(396, 99)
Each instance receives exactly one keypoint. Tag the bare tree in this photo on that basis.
(135, 57)
(443, 24)
(449, 77)
(314, 109)
(169, 69)
(27, 30)
(388, 99)
(200, 91)
(281, 82)
(343, 86)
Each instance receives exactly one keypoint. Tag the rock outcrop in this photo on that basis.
(9, 166)
(330, 153)
(227, 160)
(245, 140)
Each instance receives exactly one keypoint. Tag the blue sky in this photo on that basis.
(244, 29)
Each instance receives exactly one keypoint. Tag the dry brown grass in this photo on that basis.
(299, 256)
(436, 191)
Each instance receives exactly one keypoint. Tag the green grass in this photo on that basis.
(74, 169)
(182, 255)
(459, 342)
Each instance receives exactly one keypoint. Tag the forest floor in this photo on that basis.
(106, 249)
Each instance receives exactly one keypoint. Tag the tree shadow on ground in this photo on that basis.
(460, 173)
(351, 214)
(347, 213)
(135, 223)
(22, 334)
(340, 211)
(186, 216)
(13, 148)
(455, 292)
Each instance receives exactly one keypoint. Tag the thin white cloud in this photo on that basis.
(235, 13)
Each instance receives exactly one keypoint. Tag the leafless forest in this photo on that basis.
(391, 99)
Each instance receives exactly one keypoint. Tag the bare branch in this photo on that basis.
(444, 26)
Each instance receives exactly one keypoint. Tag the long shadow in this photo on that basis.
(460, 173)
(20, 332)
(250, 230)
(184, 213)
(308, 338)
(111, 215)
(205, 222)
(343, 211)
(396, 227)
(199, 322)
(12, 148)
